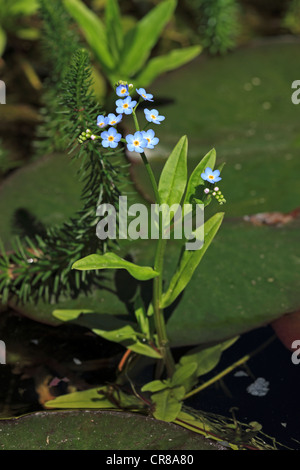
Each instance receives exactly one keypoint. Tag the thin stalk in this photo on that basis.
(159, 320)
(157, 282)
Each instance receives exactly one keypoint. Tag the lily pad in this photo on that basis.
(46, 191)
(97, 430)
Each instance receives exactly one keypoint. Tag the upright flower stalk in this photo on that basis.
(142, 139)
(159, 319)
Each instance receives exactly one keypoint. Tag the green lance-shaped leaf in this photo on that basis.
(95, 398)
(173, 178)
(130, 338)
(206, 359)
(168, 403)
(156, 385)
(113, 261)
(110, 328)
(190, 260)
(195, 179)
(183, 374)
(114, 29)
(70, 315)
(94, 31)
(165, 63)
(141, 317)
(85, 399)
(140, 40)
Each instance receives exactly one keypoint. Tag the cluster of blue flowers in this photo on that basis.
(213, 177)
(138, 141)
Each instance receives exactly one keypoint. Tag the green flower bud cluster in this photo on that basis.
(121, 82)
(217, 194)
(86, 136)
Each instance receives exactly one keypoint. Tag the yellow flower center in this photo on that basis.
(111, 138)
(136, 143)
(144, 96)
(113, 122)
(149, 140)
(153, 117)
(211, 177)
(125, 105)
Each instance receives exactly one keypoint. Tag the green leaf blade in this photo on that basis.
(156, 386)
(206, 359)
(129, 338)
(209, 160)
(190, 260)
(114, 30)
(173, 178)
(86, 399)
(140, 40)
(168, 403)
(113, 261)
(94, 31)
(171, 61)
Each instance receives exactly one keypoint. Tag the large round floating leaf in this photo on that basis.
(97, 430)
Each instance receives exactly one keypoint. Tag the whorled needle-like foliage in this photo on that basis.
(40, 267)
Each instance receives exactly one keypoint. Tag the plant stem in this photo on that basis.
(157, 282)
(159, 321)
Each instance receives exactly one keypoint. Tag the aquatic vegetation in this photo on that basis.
(128, 54)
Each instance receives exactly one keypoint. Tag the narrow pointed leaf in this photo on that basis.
(69, 315)
(165, 63)
(93, 30)
(206, 359)
(113, 261)
(129, 338)
(168, 403)
(183, 373)
(156, 386)
(114, 28)
(190, 260)
(83, 399)
(195, 179)
(173, 178)
(140, 40)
